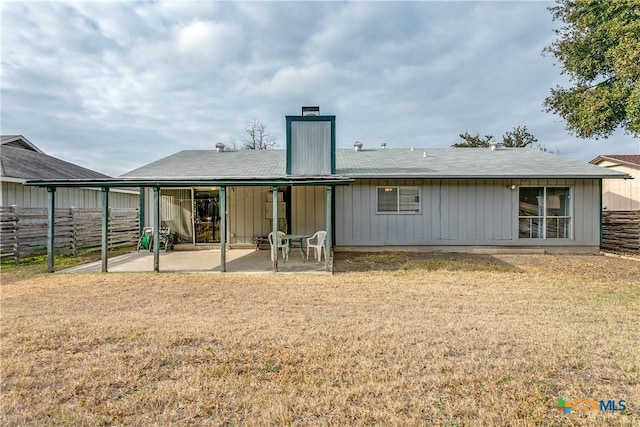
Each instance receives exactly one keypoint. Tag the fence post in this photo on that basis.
(74, 238)
(16, 244)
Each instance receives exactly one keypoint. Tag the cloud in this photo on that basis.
(114, 85)
(210, 40)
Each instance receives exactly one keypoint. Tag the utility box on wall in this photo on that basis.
(311, 143)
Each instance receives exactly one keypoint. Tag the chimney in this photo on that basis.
(219, 147)
(357, 146)
(311, 110)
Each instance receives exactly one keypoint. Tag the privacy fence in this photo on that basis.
(621, 231)
(23, 231)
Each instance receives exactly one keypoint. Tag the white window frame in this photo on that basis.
(399, 189)
(544, 215)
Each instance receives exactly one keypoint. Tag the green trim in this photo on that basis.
(223, 229)
(142, 209)
(333, 145)
(156, 229)
(600, 190)
(330, 119)
(105, 228)
(248, 182)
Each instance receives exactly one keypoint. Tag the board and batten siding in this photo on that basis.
(14, 193)
(621, 194)
(246, 213)
(458, 212)
(308, 210)
(310, 148)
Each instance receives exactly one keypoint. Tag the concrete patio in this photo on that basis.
(206, 261)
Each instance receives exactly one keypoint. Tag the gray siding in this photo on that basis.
(35, 197)
(457, 212)
(311, 148)
(246, 213)
(308, 210)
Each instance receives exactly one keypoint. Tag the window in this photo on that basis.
(398, 200)
(544, 213)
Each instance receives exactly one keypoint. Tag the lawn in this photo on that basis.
(450, 341)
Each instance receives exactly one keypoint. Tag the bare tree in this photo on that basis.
(258, 138)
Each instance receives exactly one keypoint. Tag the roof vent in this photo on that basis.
(311, 110)
(383, 146)
(219, 147)
(495, 146)
(357, 146)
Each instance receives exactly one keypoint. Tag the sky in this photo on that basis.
(114, 85)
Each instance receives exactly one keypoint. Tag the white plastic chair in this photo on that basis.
(317, 243)
(283, 243)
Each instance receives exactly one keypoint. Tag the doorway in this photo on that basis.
(206, 216)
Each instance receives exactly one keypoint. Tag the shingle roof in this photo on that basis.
(210, 163)
(396, 163)
(628, 159)
(21, 163)
(18, 141)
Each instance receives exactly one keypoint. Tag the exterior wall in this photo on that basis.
(35, 197)
(308, 210)
(246, 213)
(310, 152)
(458, 212)
(621, 194)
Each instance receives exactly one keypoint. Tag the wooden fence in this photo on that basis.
(621, 231)
(23, 231)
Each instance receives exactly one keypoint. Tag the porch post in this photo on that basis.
(329, 242)
(223, 229)
(156, 229)
(141, 210)
(105, 228)
(51, 229)
(274, 226)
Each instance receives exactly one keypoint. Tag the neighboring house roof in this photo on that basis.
(632, 160)
(456, 163)
(18, 141)
(24, 163)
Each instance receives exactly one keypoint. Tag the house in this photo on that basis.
(21, 160)
(497, 199)
(621, 195)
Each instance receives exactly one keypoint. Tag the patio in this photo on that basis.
(205, 261)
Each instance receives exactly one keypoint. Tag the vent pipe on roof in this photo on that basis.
(311, 110)
(357, 146)
(219, 147)
(383, 146)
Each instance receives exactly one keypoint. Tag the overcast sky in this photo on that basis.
(115, 85)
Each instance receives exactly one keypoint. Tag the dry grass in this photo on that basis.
(431, 343)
